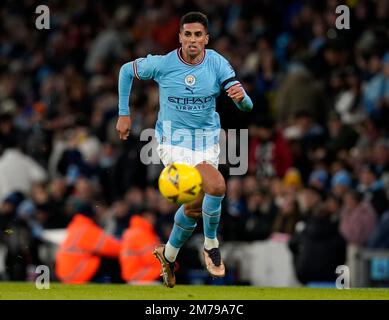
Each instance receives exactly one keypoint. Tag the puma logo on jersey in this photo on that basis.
(189, 89)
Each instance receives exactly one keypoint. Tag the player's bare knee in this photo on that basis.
(192, 213)
(217, 188)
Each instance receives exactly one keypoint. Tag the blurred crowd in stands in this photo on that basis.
(318, 174)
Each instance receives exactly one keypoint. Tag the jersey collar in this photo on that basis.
(179, 53)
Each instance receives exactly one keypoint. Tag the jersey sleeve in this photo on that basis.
(141, 68)
(227, 79)
(227, 76)
(147, 68)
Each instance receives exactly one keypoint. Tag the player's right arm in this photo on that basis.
(143, 69)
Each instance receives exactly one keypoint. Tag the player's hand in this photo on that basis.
(123, 127)
(236, 92)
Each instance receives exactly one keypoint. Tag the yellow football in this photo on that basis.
(180, 183)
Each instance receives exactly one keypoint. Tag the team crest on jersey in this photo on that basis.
(190, 80)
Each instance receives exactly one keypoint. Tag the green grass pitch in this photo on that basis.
(28, 291)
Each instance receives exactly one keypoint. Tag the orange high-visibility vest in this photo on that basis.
(78, 257)
(137, 262)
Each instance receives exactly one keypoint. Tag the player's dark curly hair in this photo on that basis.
(194, 16)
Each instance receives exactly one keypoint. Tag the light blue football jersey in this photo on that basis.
(187, 95)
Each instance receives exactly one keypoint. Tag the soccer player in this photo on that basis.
(187, 129)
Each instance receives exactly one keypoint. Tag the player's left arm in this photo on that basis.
(241, 99)
(232, 86)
